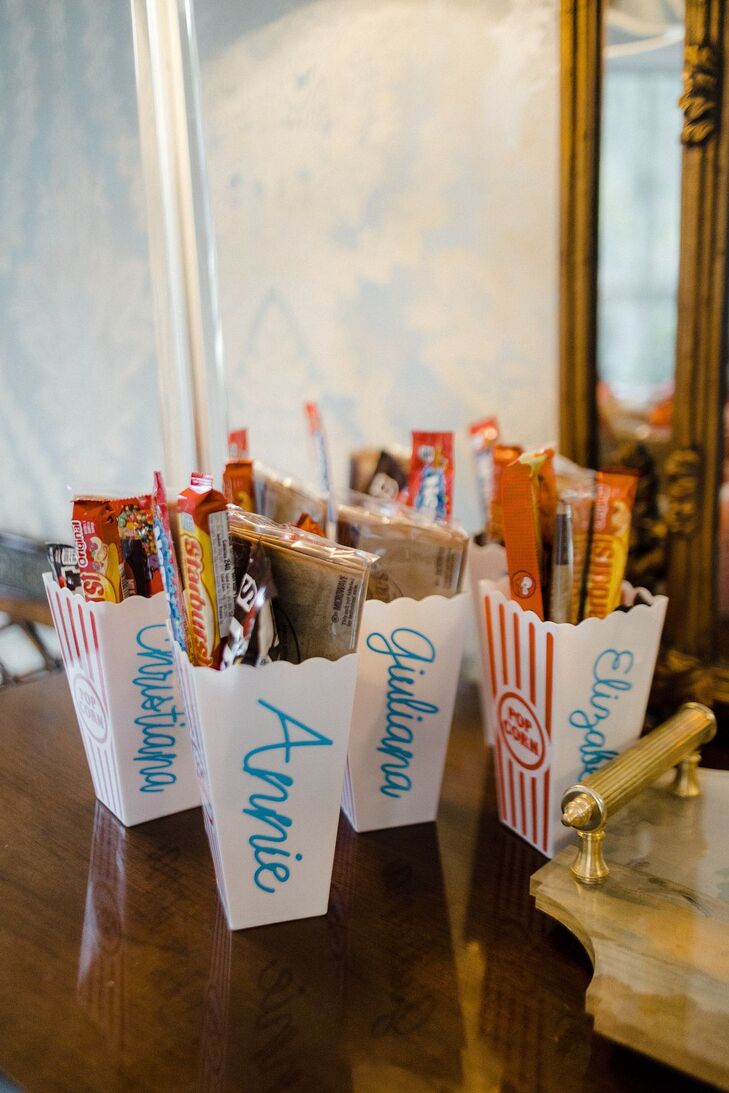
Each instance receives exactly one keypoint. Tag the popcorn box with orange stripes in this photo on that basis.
(409, 662)
(120, 668)
(270, 746)
(564, 700)
(484, 563)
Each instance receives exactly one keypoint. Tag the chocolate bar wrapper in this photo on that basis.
(363, 465)
(98, 548)
(283, 499)
(252, 636)
(168, 561)
(207, 567)
(64, 565)
(238, 483)
(320, 586)
(614, 498)
(389, 480)
(139, 550)
(415, 557)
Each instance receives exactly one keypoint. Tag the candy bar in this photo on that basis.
(252, 637)
(614, 497)
(238, 483)
(484, 435)
(207, 567)
(139, 552)
(98, 548)
(522, 536)
(389, 479)
(238, 444)
(64, 565)
(430, 487)
(503, 455)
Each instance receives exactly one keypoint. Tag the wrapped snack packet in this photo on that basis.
(98, 548)
(238, 483)
(207, 567)
(522, 537)
(238, 444)
(139, 552)
(283, 499)
(363, 465)
(321, 449)
(560, 587)
(576, 487)
(484, 435)
(252, 637)
(64, 565)
(414, 556)
(389, 480)
(430, 487)
(541, 469)
(503, 455)
(168, 561)
(614, 497)
(320, 586)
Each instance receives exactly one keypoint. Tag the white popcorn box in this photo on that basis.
(270, 746)
(564, 700)
(120, 668)
(484, 563)
(410, 657)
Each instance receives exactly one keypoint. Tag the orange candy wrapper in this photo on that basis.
(238, 484)
(206, 558)
(614, 498)
(96, 536)
(306, 523)
(504, 454)
(522, 536)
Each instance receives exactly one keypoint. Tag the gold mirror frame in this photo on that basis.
(693, 468)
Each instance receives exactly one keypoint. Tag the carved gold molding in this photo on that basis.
(682, 469)
(700, 99)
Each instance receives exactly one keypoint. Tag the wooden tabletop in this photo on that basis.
(431, 971)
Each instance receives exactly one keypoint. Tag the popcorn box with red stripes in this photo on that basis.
(120, 668)
(564, 700)
(270, 747)
(484, 563)
(410, 657)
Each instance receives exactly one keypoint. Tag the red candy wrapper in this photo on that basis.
(238, 444)
(430, 486)
(98, 547)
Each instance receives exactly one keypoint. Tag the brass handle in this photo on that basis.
(587, 805)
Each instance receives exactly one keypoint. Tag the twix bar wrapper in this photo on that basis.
(238, 485)
(614, 498)
(98, 547)
(504, 454)
(430, 486)
(522, 536)
(207, 567)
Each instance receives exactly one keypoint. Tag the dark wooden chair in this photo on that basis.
(23, 601)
